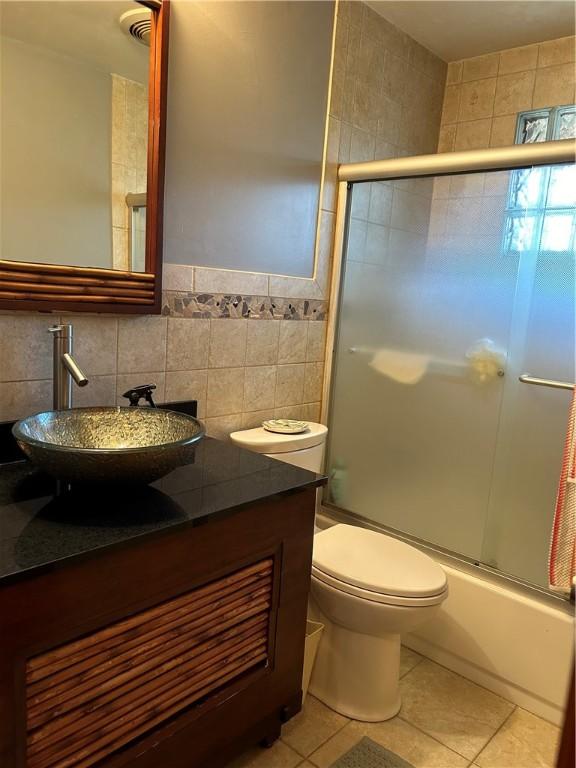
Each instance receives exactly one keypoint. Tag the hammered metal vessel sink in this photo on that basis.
(118, 445)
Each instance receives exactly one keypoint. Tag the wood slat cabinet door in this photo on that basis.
(100, 673)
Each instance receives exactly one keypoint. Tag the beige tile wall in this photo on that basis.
(129, 145)
(484, 94)
(240, 371)
(387, 93)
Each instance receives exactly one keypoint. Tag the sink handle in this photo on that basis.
(135, 394)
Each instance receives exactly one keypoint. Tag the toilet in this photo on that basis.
(368, 589)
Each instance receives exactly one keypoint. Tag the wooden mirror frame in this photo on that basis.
(33, 286)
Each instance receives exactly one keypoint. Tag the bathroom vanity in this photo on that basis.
(158, 626)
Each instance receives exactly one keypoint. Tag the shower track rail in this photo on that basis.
(477, 160)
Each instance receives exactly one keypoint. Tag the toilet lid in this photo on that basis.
(262, 441)
(376, 562)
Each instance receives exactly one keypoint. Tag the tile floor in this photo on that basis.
(446, 721)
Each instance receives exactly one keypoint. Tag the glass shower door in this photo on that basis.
(543, 344)
(430, 432)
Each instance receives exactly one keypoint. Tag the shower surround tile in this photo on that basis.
(484, 94)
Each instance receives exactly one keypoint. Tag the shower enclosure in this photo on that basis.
(456, 298)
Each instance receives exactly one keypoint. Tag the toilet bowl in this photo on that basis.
(367, 589)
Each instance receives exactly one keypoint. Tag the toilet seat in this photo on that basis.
(378, 597)
(376, 567)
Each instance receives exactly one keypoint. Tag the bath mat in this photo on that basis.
(368, 754)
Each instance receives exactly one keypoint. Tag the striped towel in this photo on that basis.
(562, 559)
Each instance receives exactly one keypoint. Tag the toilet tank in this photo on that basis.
(304, 450)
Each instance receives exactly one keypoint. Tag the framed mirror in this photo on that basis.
(83, 109)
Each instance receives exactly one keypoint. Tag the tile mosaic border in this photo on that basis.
(236, 306)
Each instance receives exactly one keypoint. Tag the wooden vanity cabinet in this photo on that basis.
(175, 650)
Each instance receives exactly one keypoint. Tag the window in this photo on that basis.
(540, 213)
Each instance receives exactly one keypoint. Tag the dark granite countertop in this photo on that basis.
(41, 529)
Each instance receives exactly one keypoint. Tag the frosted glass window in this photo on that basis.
(557, 232)
(534, 129)
(562, 186)
(540, 215)
(526, 187)
(520, 233)
(567, 125)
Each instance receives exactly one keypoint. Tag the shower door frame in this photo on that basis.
(422, 166)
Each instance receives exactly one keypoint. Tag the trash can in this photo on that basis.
(313, 634)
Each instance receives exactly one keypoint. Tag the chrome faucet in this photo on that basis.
(65, 367)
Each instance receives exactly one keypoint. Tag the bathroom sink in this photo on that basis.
(117, 445)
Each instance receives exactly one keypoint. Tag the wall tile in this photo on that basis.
(323, 266)
(290, 412)
(410, 212)
(187, 385)
(477, 99)
(390, 121)
(316, 341)
(380, 208)
(225, 391)
(25, 347)
(313, 382)
(295, 287)
(376, 251)
(360, 202)
(177, 277)
(95, 342)
(451, 104)
(227, 343)
(188, 344)
(100, 390)
(254, 419)
(228, 281)
(473, 135)
(554, 85)
(262, 342)
(480, 67)
(311, 412)
(454, 73)
(356, 240)
(289, 384)
(518, 59)
(259, 387)
(221, 426)
(141, 344)
(292, 344)
(503, 131)
(560, 51)
(362, 146)
(447, 138)
(329, 191)
(514, 93)
(23, 398)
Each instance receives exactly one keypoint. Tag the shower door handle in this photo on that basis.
(525, 378)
